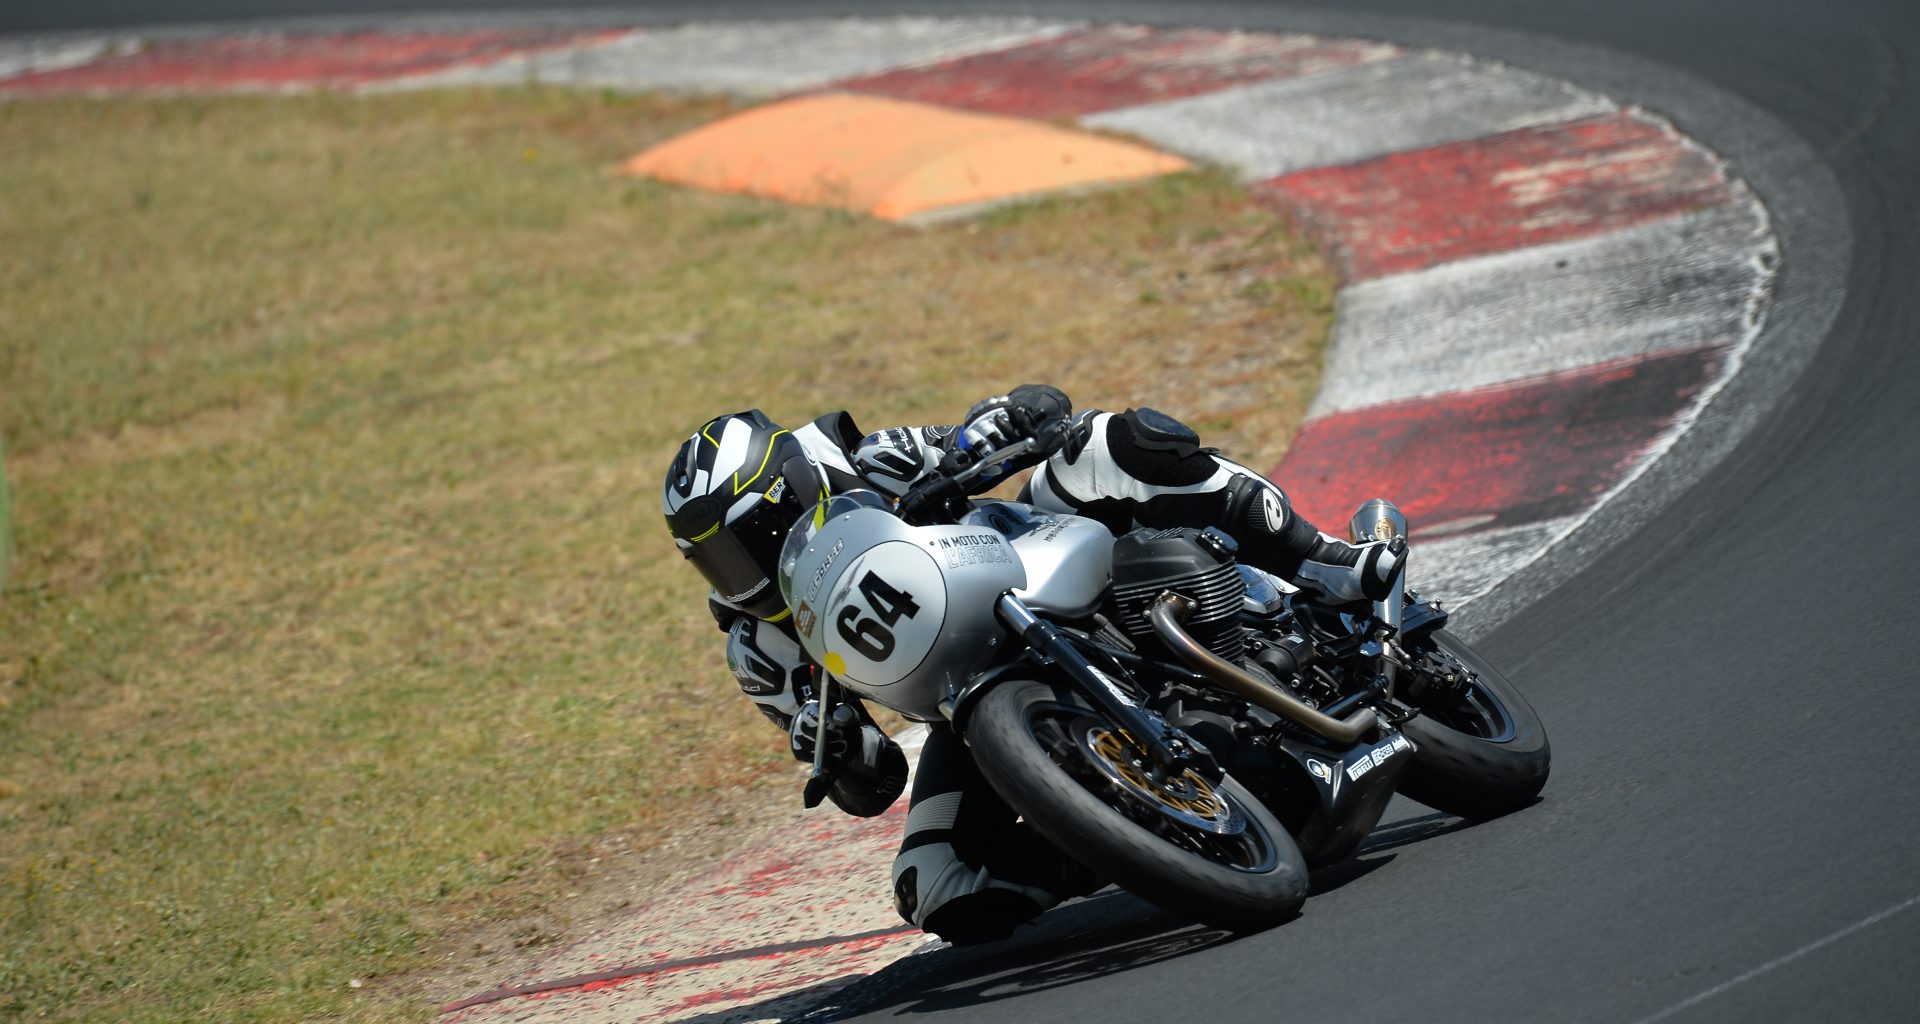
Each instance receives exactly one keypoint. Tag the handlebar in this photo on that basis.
(982, 462)
(949, 480)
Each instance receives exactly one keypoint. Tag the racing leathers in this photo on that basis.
(967, 869)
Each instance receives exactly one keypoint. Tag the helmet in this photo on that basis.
(729, 504)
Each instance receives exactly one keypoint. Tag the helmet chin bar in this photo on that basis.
(738, 560)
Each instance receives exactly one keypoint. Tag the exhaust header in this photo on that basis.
(1170, 610)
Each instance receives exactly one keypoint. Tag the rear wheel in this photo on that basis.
(1482, 750)
(1208, 851)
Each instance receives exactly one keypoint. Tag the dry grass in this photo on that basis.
(342, 620)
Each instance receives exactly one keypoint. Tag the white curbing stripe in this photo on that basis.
(1764, 256)
(1422, 99)
(23, 56)
(1673, 284)
(1456, 570)
(911, 739)
(752, 59)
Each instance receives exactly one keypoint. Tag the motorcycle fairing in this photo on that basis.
(900, 613)
(1352, 787)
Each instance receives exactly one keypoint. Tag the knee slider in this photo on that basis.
(985, 916)
(933, 889)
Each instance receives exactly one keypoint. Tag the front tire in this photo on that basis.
(1034, 747)
(1482, 749)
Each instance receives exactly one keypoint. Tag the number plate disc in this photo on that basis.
(866, 625)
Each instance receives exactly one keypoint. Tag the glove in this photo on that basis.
(870, 769)
(1037, 411)
(843, 733)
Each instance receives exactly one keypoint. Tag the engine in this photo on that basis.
(1195, 564)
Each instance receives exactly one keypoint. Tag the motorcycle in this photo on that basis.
(1195, 729)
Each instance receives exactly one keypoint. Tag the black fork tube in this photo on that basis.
(1168, 748)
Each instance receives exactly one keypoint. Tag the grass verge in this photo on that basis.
(342, 620)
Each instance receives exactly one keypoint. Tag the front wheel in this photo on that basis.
(1482, 751)
(1208, 851)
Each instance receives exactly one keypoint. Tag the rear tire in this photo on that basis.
(1021, 738)
(1481, 754)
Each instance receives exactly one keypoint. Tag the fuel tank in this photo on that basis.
(1068, 558)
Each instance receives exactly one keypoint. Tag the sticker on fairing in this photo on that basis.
(826, 564)
(1376, 757)
(974, 548)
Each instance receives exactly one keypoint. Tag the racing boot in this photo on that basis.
(1343, 573)
(1274, 537)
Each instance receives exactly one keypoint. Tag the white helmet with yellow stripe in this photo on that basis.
(729, 504)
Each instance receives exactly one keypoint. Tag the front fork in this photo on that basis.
(1170, 749)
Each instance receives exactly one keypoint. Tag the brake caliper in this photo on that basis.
(1435, 669)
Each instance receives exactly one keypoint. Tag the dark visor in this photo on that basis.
(738, 561)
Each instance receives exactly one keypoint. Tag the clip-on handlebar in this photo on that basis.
(949, 480)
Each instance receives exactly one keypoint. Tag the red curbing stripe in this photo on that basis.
(282, 60)
(1501, 456)
(1114, 66)
(610, 978)
(1410, 210)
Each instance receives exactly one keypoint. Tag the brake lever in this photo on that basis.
(985, 461)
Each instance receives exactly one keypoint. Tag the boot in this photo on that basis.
(1343, 573)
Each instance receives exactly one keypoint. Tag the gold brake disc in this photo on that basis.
(1185, 797)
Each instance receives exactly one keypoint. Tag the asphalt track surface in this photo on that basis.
(1730, 831)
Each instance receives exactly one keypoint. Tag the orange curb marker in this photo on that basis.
(890, 158)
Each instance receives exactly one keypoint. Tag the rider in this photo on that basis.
(967, 870)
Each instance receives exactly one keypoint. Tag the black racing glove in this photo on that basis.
(869, 769)
(843, 733)
(1038, 411)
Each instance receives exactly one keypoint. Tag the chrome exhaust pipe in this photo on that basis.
(1170, 610)
(1382, 520)
(1378, 519)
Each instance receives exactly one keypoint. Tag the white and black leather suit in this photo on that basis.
(966, 869)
